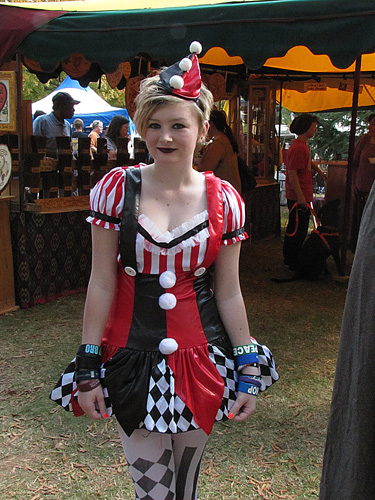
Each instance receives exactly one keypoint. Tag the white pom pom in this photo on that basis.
(185, 64)
(195, 47)
(167, 301)
(167, 279)
(176, 82)
(168, 346)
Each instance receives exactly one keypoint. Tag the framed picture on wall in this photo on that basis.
(8, 101)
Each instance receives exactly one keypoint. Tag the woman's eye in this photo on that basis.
(153, 125)
(178, 125)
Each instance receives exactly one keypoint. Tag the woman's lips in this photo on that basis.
(166, 150)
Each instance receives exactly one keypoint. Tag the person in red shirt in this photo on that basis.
(299, 187)
(364, 176)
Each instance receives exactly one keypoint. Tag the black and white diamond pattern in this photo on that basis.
(267, 366)
(66, 386)
(225, 367)
(166, 412)
(148, 475)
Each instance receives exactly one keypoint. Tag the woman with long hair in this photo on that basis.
(118, 128)
(220, 155)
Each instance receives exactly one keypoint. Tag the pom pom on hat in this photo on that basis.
(176, 81)
(195, 47)
(185, 64)
(183, 79)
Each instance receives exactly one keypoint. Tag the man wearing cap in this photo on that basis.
(55, 124)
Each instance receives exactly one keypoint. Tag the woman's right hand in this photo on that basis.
(92, 403)
(301, 202)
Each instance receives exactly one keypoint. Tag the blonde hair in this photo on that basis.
(151, 96)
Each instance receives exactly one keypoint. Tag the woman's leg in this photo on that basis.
(296, 232)
(164, 466)
(188, 448)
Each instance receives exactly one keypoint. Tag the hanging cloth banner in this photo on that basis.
(23, 22)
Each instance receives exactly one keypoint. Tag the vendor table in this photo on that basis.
(263, 211)
(51, 254)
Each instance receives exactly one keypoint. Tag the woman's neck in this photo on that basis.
(172, 177)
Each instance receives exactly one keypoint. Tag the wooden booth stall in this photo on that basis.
(256, 129)
(45, 240)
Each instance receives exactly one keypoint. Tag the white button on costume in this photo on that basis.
(168, 346)
(130, 271)
(167, 301)
(200, 271)
(167, 279)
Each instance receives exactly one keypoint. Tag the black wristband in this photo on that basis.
(86, 375)
(88, 357)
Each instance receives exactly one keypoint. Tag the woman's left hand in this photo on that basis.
(243, 407)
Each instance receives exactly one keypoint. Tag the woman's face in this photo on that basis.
(310, 133)
(124, 130)
(172, 133)
(371, 126)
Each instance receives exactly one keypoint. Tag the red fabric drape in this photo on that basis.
(16, 23)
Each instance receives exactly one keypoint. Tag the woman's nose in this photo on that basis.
(165, 136)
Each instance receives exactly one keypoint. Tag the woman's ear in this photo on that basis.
(206, 126)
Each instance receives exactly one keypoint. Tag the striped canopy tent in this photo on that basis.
(293, 38)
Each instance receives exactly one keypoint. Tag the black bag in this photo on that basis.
(248, 181)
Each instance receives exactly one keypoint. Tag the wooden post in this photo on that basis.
(19, 79)
(7, 299)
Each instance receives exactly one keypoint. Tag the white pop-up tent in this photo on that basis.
(91, 107)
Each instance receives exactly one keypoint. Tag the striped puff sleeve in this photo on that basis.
(234, 215)
(107, 199)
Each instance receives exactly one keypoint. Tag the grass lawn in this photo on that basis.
(47, 453)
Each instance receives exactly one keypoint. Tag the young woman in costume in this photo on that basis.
(173, 350)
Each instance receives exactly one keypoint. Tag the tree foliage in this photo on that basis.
(35, 90)
(331, 140)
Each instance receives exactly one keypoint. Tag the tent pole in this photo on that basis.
(19, 122)
(279, 136)
(349, 174)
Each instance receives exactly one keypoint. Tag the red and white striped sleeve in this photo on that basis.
(234, 215)
(107, 200)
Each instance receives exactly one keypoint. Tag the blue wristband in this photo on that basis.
(248, 388)
(92, 349)
(248, 379)
(247, 359)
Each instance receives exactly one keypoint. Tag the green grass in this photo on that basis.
(47, 453)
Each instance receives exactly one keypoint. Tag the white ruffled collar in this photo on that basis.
(177, 232)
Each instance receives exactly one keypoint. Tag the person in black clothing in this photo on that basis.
(78, 129)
